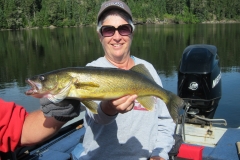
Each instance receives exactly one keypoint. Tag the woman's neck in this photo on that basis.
(126, 63)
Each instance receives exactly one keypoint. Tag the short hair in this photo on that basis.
(118, 12)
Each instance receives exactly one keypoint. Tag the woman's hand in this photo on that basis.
(120, 105)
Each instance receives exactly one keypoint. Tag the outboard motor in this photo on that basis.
(199, 81)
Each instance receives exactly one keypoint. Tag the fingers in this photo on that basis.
(124, 104)
(120, 105)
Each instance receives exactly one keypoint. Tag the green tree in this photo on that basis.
(3, 22)
(175, 7)
(199, 9)
(15, 14)
(76, 12)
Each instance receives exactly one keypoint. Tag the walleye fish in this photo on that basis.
(96, 83)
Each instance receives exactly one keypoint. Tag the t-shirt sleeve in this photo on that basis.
(12, 117)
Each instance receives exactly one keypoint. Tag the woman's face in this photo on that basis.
(116, 47)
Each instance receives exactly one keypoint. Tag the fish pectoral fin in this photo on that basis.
(91, 105)
(147, 102)
(85, 85)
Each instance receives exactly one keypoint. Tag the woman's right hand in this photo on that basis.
(120, 105)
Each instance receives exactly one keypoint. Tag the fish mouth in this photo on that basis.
(34, 88)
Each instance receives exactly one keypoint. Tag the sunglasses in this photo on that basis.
(123, 30)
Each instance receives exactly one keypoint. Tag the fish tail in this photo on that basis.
(174, 104)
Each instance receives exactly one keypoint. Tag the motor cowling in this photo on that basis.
(199, 78)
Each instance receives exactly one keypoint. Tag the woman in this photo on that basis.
(123, 129)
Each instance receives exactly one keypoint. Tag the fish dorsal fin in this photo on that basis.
(91, 105)
(140, 68)
(147, 102)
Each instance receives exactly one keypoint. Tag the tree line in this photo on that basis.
(17, 14)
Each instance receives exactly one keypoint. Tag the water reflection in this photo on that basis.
(28, 52)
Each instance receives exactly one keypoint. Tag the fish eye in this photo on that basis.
(41, 78)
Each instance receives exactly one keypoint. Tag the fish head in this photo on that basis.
(47, 85)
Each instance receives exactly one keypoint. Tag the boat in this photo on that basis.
(199, 85)
(199, 135)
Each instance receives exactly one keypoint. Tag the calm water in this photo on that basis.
(29, 52)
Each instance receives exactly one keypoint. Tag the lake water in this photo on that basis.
(29, 52)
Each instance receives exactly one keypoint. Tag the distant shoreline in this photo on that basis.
(167, 21)
(171, 21)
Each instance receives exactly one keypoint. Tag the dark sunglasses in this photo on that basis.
(123, 30)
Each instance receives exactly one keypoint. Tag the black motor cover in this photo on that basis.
(199, 78)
